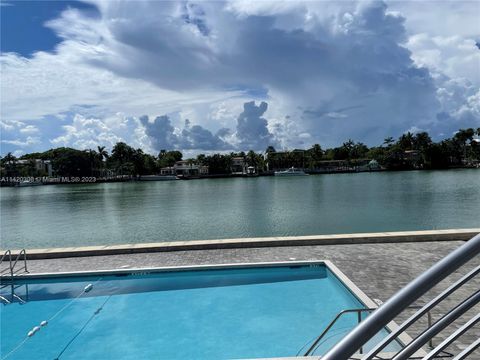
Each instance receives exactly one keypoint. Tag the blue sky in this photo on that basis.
(22, 24)
(220, 76)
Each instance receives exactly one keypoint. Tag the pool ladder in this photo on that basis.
(318, 341)
(8, 273)
(351, 345)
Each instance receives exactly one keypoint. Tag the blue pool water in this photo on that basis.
(203, 314)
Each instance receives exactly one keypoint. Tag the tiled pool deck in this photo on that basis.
(378, 269)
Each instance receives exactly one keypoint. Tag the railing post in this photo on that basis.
(402, 299)
(359, 319)
(25, 259)
(429, 323)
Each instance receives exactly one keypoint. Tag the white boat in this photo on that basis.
(291, 172)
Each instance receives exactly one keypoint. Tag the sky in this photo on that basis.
(218, 76)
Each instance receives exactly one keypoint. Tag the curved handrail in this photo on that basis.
(359, 336)
(312, 347)
(24, 252)
(11, 266)
(9, 253)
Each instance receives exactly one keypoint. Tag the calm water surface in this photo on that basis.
(116, 213)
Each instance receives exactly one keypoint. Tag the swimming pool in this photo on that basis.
(220, 313)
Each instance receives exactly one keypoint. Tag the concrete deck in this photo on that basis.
(334, 239)
(379, 269)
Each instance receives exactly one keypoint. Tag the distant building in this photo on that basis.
(238, 165)
(48, 167)
(412, 155)
(203, 170)
(39, 165)
(187, 169)
(333, 165)
(170, 170)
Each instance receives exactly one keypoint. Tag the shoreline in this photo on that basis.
(262, 242)
(67, 180)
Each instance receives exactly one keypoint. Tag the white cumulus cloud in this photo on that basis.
(326, 71)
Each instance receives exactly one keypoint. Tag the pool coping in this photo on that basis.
(404, 338)
(307, 240)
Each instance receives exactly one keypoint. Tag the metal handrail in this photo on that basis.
(359, 336)
(24, 252)
(9, 253)
(441, 324)
(312, 347)
(473, 346)
(12, 266)
(465, 327)
(426, 308)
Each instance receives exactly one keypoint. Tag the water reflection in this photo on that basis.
(68, 215)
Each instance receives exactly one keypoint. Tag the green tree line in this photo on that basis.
(409, 151)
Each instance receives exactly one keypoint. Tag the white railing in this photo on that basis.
(359, 336)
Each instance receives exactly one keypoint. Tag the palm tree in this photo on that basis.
(10, 159)
(252, 158)
(270, 149)
(465, 135)
(314, 155)
(406, 141)
(102, 154)
(422, 141)
(388, 141)
(317, 151)
(10, 162)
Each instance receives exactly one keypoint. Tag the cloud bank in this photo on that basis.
(319, 72)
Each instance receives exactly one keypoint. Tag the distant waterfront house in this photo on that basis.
(333, 165)
(41, 167)
(203, 170)
(167, 171)
(188, 168)
(238, 165)
(412, 155)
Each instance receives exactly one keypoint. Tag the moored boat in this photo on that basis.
(291, 172)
